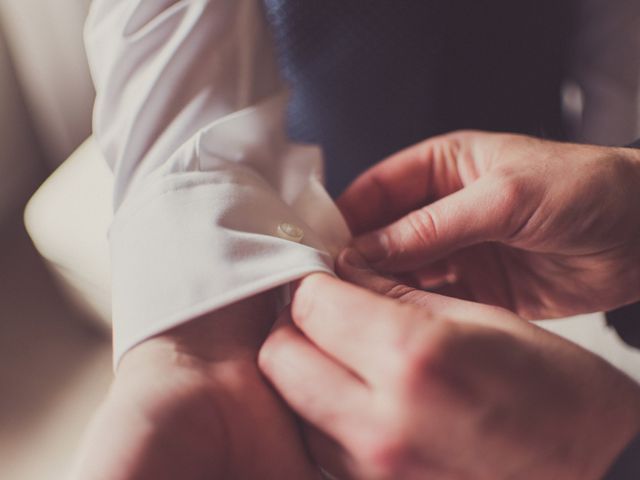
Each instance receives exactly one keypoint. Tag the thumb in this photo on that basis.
(478, 213)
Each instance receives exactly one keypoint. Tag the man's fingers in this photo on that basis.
(402, 183)
(446, 303)
(481, 212)
(321, 391)
(353, 268)
(416, 176)
(359, 328)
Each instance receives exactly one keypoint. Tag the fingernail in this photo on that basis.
(352, 258)
(373, 247)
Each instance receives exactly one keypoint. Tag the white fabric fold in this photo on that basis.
(190, 117)
(202, 231)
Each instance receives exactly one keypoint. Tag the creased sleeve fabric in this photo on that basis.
(190, 116)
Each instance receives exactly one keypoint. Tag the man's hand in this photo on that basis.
(542, 228)
(191, 404)
(426, 386)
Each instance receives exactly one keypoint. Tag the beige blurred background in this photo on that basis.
(55, 363)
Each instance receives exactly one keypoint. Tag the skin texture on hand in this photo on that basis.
(542, 228)
(191, 404)
(423, 386)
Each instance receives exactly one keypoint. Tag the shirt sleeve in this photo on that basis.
(212, 203)
(605, 65)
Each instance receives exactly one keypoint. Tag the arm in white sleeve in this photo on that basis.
(606, 66)
(190, 114)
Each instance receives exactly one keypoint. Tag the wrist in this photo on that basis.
(232, 334)
(167, 398)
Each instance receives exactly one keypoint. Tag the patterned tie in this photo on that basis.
(371, 77)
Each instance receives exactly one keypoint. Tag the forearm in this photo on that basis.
(187, 403)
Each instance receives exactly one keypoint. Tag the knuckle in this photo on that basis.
(425, 361)
(518, 196)
(512, 185)
(423, 226)
(451, 144)
(511, 196)
(400, 292)
(446, 147)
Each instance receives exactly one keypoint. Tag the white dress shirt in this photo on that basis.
(212, 203)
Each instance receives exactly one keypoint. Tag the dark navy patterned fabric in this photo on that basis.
(370, 77)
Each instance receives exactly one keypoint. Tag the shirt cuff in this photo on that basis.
(199, 243)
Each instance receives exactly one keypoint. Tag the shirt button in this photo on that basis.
(291, 232)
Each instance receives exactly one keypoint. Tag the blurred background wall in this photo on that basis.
(20, 156)
(45, 92)
(54, 364)
(44, 40)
